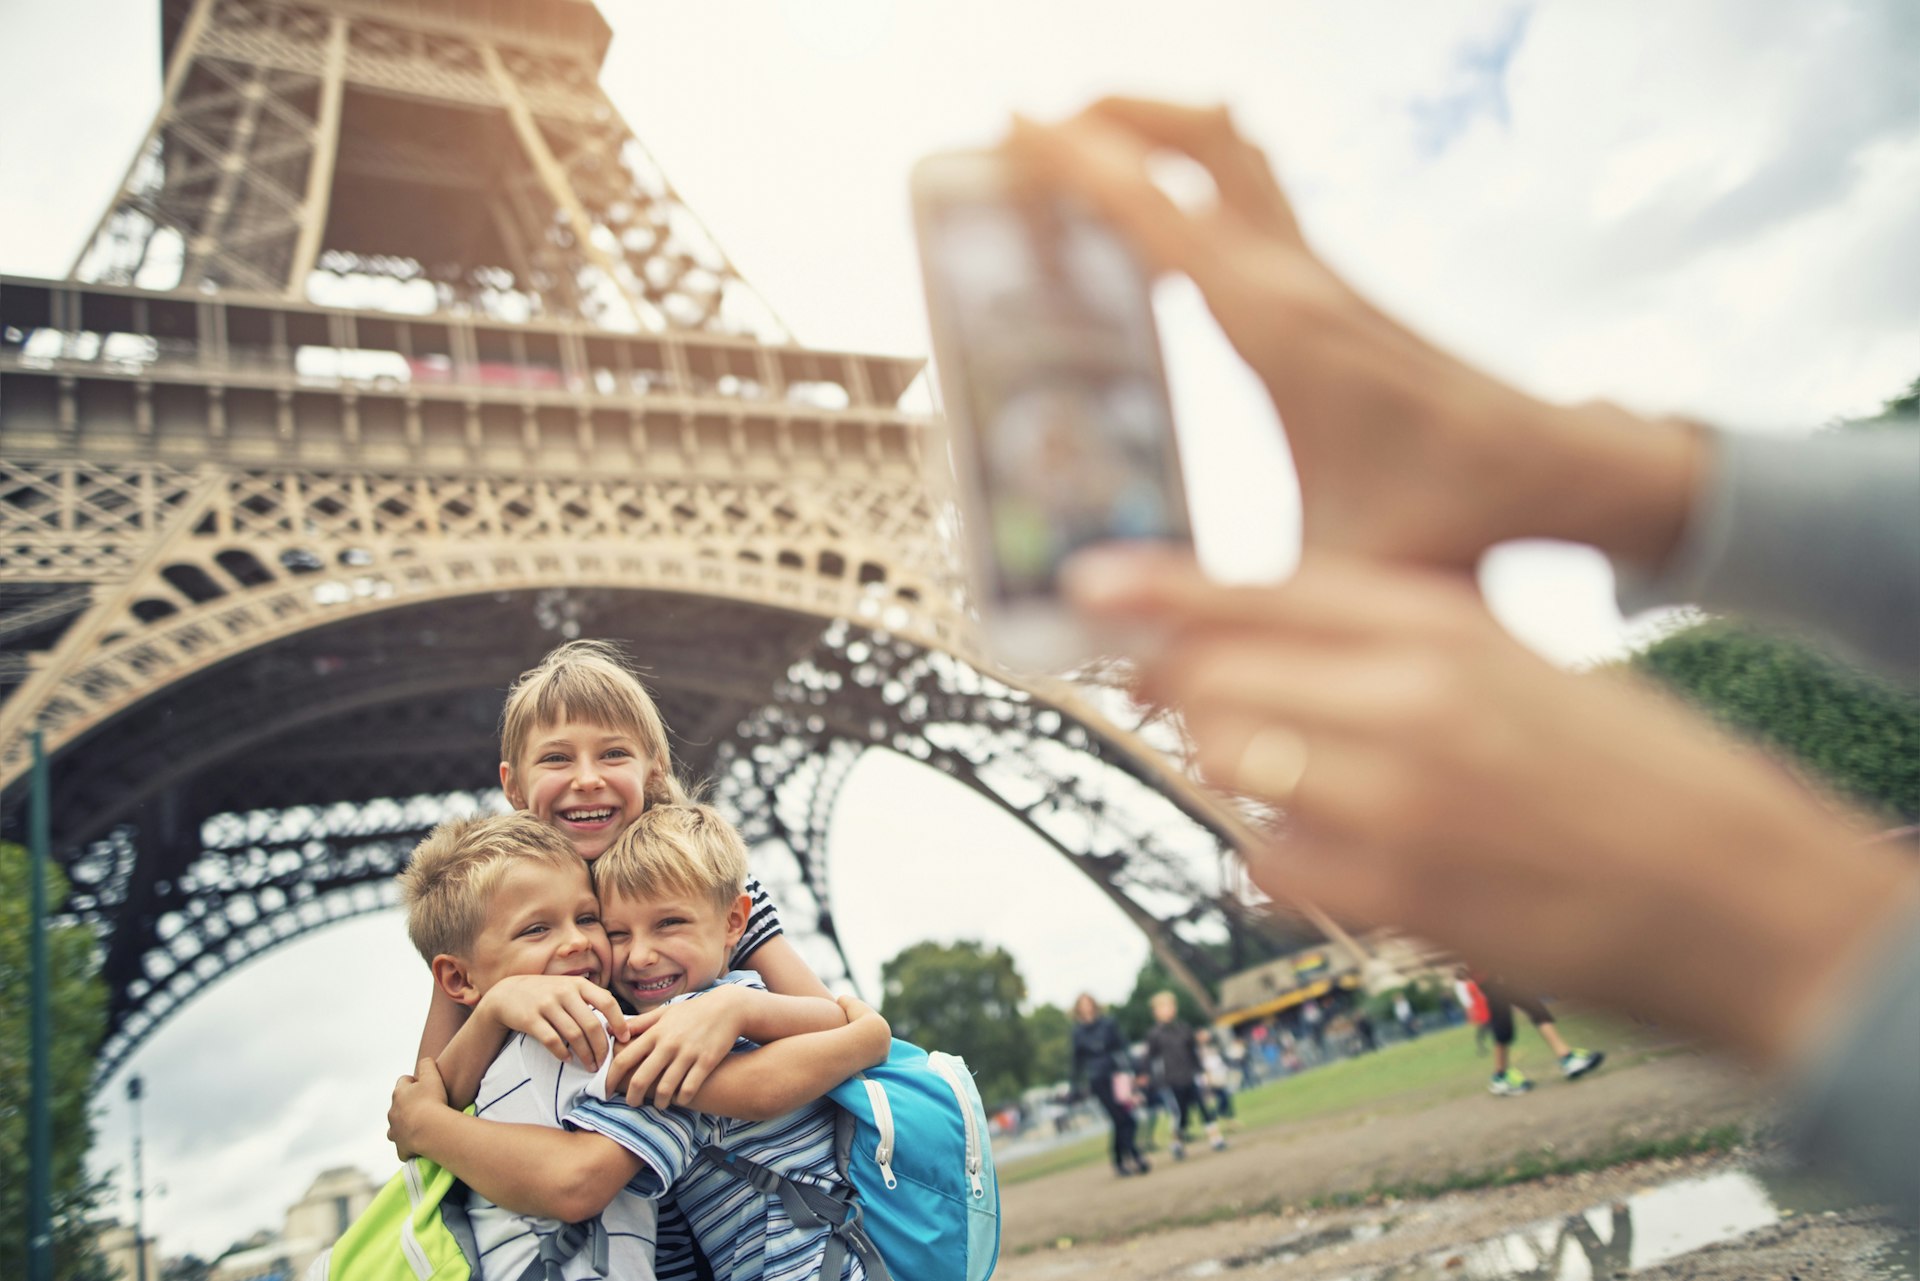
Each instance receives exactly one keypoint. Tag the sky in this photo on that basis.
(1705, 208)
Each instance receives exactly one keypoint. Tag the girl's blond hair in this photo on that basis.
(588, 680)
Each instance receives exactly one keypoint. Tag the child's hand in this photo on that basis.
(414, 1097)
(557, 1011)
(855, 1008)
(674, 1047)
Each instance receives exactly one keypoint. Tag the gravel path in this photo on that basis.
(1239, 1212)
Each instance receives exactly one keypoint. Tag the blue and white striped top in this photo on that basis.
(745, 1235)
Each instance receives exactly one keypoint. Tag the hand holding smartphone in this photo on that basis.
(1050, 371)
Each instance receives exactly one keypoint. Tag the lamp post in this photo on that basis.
(40, 1123)
(134, 1090)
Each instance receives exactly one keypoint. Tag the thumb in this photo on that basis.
(427, 1070)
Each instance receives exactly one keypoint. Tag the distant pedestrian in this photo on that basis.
(1313, 1020)
(1363, 1031)
(1173, 1057)
(1215, 1075)
(1239, 1060)
(1101, 1059)
(1507, 1080)
(1404, 1016)
(1473, 1003)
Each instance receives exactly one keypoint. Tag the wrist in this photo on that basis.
(1611, 479)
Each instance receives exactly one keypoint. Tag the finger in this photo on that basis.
(640, 1084)
(555, 1043)
(666, 1091)
(1207, 135)
(619, 1069)
(646, 1072)
(609, 1006)
(690, 1085)
(1331, 597)
(1108, 167)
(583, 1030)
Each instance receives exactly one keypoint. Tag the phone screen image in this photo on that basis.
(1052, 348)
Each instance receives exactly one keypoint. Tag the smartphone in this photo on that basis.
(1050, 372)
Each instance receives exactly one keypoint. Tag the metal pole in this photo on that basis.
(40, 1182)
(139, 1187)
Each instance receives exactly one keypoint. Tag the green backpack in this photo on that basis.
(417, 1230)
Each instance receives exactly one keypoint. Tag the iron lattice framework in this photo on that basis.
(267, 564)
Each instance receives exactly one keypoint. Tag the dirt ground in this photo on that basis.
(1242, 1210)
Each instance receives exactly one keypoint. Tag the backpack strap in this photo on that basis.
(454, 1213)
(558, 1248)
(810, 1207)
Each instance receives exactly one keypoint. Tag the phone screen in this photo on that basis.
(1051, 344)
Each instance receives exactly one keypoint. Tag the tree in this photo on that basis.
(1858, 733)
(79, 1003)
(1050, 1031)
(965, 999)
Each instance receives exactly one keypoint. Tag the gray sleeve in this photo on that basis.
(1820, 531)
(1856, 1104)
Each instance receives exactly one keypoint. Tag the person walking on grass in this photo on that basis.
(1507, 1080)
(1101, 1059)
(1173, 1055)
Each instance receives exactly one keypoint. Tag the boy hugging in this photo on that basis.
(490, 901)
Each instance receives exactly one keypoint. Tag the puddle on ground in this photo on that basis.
(1602, 1242)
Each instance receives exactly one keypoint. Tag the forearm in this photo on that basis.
(558, 1174)
(787, 1074)
(769, 1016)
(467, 1056)
(445, 1017)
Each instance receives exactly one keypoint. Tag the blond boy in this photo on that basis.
(673, 888)
(494, 898)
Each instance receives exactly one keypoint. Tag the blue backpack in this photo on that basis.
(911, 1141)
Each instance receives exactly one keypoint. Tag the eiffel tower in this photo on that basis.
(394, 362)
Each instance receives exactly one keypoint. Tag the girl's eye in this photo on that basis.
(671, 921)
(617, 936)
(617, 752)
(553, 758)
(531, 930)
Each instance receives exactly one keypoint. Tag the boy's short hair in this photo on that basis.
(587, 680)
(676, 849)
(450, 878)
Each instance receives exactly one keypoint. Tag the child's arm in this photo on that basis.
(568, 1175)
(557, 1012)
(445, 1016)
(676, 1046)
(784, 1075)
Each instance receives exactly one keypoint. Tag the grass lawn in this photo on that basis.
(1402, 1076)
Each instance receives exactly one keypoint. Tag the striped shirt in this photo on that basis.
(527, 1085)
(674, 1259)
(745, 1235)
(762, 924)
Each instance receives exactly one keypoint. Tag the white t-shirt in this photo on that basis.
(525, 1084)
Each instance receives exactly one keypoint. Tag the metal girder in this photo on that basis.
(264, 614)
